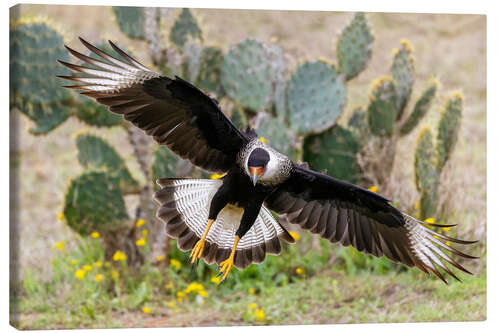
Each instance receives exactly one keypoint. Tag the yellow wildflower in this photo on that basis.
(447, 243)
(217, 176)
(193, 286)
(262, 139)
(140, 222)
(260, 315)
(446, 228)
(119, 255)
(140, 242)
(60, 246)
(144, 233)
(215, 279)
(169, 285)
(80, 274)
(295, 235)
(171, 304)
(175, 263)
(74, 262)
(202, 293)
(251, 291)
(60, 216)
(114, 274)
(146, 309)
(87, 268)
(98, 278)
(373, 189)
(252, 306)
(299, 271)
(98, 263)
(430, 220)
(180, 296)
(95, 235)
(160, 258)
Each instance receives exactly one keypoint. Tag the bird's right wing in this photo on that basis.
(172, 111)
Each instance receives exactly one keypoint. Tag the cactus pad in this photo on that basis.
(209, 77)
(421, 107)
(94, 202)
(316, 96)
(449, 125)
(426, 174)
(94, 114)
(191, 61)
(276, 135)
(334, 150)
(354, 47)
(95, 153)
(247, 76)
(131, 21)
(238, 117)
(358, 123)
(279, 69)
(403, 75)
(35, 91)
(164, 163)
(382, 108)
(185, 27)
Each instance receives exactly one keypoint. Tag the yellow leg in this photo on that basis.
(226, 265)
(200, 245)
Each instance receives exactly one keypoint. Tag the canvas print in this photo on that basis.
(217, 167)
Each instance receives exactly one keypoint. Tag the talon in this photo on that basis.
(219, 274)
(197, 251)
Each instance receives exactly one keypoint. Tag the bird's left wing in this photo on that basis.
(345, 213)
(172, 111)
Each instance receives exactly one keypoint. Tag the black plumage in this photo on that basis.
(180, 116)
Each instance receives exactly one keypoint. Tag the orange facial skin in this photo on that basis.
(256, 173)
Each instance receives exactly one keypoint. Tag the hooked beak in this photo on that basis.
(256, 173)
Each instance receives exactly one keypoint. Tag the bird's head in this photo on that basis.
(257, 164)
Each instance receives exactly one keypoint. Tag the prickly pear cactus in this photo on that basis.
(35, 47)
(279, 68)
(191, 61)
(97, 115)
(421, 107)
(335, 151)
(164, 163)
(131, 21)
(276, 135)
(403, 73)
(238, 117)
(94, 202)
(426, 174)
(209, 76)
(95, 153)
(382, 108)
(354, 47)
(185, 27)
(449, 125)
(246, 74)
(316, 96)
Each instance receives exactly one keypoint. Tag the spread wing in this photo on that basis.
(345, 213)
(172, 111)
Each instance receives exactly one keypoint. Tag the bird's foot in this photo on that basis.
(225, 268)
(197, 251)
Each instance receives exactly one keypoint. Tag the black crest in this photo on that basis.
(258, 157)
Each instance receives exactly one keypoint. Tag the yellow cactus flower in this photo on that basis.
(74, 262)
(80, 274)
(98, 263)
(95, 235)
(60, 216)
(146, 309)
(98, 278)
(60, 246)
(216, 176)
(252, 306)
(139, 223)
(170, 304)
(430, 220)
(175, 263)
(251, 291)
(260, 315)
(295, 235)
(299, 271)
(160, 258)
(87, 268)
(140, 242)
(115, 274)
(262, 139)
(373, 189)
(119, 256)
(215, 279)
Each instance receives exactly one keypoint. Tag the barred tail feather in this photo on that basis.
(184, 207)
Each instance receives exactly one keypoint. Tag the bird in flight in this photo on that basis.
(228, 220)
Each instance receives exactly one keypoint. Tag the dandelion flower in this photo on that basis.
(260, 315)
(60, 246)
(60, 216)
(160, 258)
(95, 235)
(180, 296)
(146, 309)
(215, 279)
(80, 274)
(87, 268)
(299, 271)
(98, 278)
(373, 189)
(119, 256)
(98, 264)
(262, 139)
(140, 242)
(252, 306)
(430, 220)
(175, 263)
(194, 286)
(295, 235)
(140, 222)
(251, 291)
